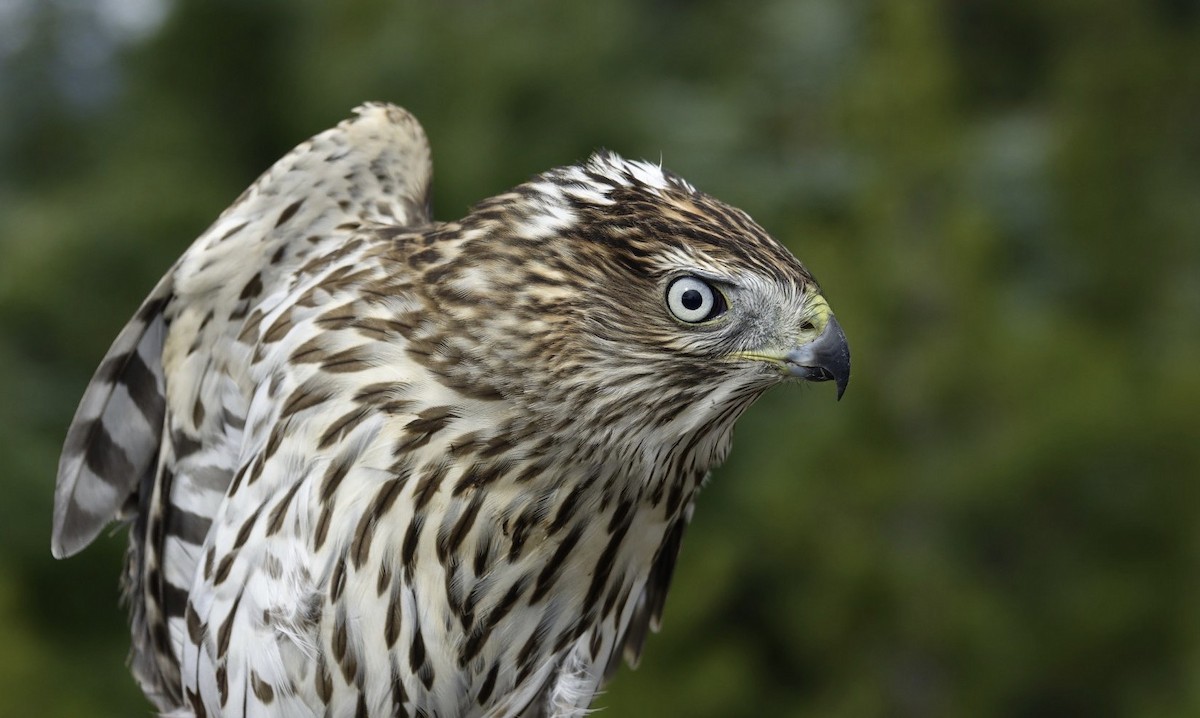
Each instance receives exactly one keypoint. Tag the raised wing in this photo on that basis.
(157, 434)
(374, 167)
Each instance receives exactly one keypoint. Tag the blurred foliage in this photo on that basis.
(1001, 198)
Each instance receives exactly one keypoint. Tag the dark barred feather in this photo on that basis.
(112, 445)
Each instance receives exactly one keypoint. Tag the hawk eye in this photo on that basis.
(694, 300)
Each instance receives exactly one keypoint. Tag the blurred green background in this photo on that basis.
(1000, 197)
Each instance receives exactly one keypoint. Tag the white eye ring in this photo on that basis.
(693, 300)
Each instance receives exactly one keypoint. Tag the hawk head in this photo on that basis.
(616, 294)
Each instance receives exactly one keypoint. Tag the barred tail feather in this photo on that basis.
(114, 438)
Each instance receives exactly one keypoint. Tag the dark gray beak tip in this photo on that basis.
(826, 358)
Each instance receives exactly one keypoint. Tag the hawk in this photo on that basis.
(375, 464)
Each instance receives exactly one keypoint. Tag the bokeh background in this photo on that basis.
(1001, 198)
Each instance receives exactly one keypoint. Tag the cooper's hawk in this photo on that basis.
(378, 465)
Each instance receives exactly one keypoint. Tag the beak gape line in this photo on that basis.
(823, 359)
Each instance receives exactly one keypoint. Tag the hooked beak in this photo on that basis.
(823, 359)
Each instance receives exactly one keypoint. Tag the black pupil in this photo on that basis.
(692, 299)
